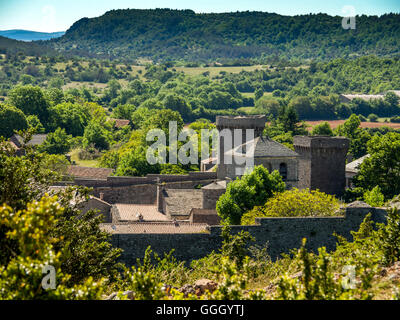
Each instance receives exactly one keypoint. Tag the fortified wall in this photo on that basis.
(280, 235)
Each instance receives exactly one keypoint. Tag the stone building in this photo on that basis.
(322, 163)
(228, 127)
(352, 170)
(268, 153)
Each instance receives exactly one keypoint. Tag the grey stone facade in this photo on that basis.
(322, 163)
(229, 125)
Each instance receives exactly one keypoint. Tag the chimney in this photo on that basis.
(102, 196)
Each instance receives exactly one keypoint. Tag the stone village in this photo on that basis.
(172, 212)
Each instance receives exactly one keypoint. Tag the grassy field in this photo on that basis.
(336, 123)
(83, 163)
(215, 71)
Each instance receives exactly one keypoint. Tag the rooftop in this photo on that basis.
(129, 212)
(155, 228)
(264, 147)
(354, 166)
(89, 173)
(36, 140)
(365, 97)
(120, 123)
(216, 185)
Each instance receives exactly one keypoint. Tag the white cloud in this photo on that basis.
(48, 21)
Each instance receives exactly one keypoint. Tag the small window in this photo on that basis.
(283, 171)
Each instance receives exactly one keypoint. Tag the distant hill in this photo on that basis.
(165, 34)
(11, 46)
(26, 35)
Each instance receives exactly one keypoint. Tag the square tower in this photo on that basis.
(230, 124)
(322, 163)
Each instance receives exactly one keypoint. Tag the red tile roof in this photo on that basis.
(120, 123)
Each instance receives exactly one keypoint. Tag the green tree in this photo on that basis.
(244, 194)
(382, 168)
(57, 142)
(139, 117)
(96, 134)
(259, 94)
(177, 103)
(134, 163)
(392, 99)
(35, 124)
(11, 119)
(303, 107)
(323, 129)
(358, 136)
(295, 203)
(374, 198)
(289, 120)
(79, 247)
(72, 117)
(21, 277)
(123, 111)
(268, 106)
(31, 100)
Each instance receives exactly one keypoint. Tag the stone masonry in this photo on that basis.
(322, 163)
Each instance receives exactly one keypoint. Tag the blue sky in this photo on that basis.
(59, 15)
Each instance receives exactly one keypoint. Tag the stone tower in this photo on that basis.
(322, 163)
(257, 123)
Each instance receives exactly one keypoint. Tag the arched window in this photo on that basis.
(283, 170)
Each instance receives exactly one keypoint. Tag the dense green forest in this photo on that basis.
(11, 46)
(165, 34)
(312, 90)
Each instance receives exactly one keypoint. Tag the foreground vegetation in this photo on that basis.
(40, 227)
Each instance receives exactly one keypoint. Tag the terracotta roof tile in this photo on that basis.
(120, 123)
(129, 212)
(155, 228)
(89, 173)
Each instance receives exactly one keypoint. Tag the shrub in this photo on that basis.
(374, 198)
(244, 194)
(295, 203)
(373, 118)
(317, 281)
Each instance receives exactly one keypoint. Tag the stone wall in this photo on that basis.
(322, 163)
(142, 190)
(281, 235)
(229, 124)
(101, 207)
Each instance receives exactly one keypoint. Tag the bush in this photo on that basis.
(374, 198)
(295, 203)
(373, 118)
(395, 119)
(244, 194)
(11, 119)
